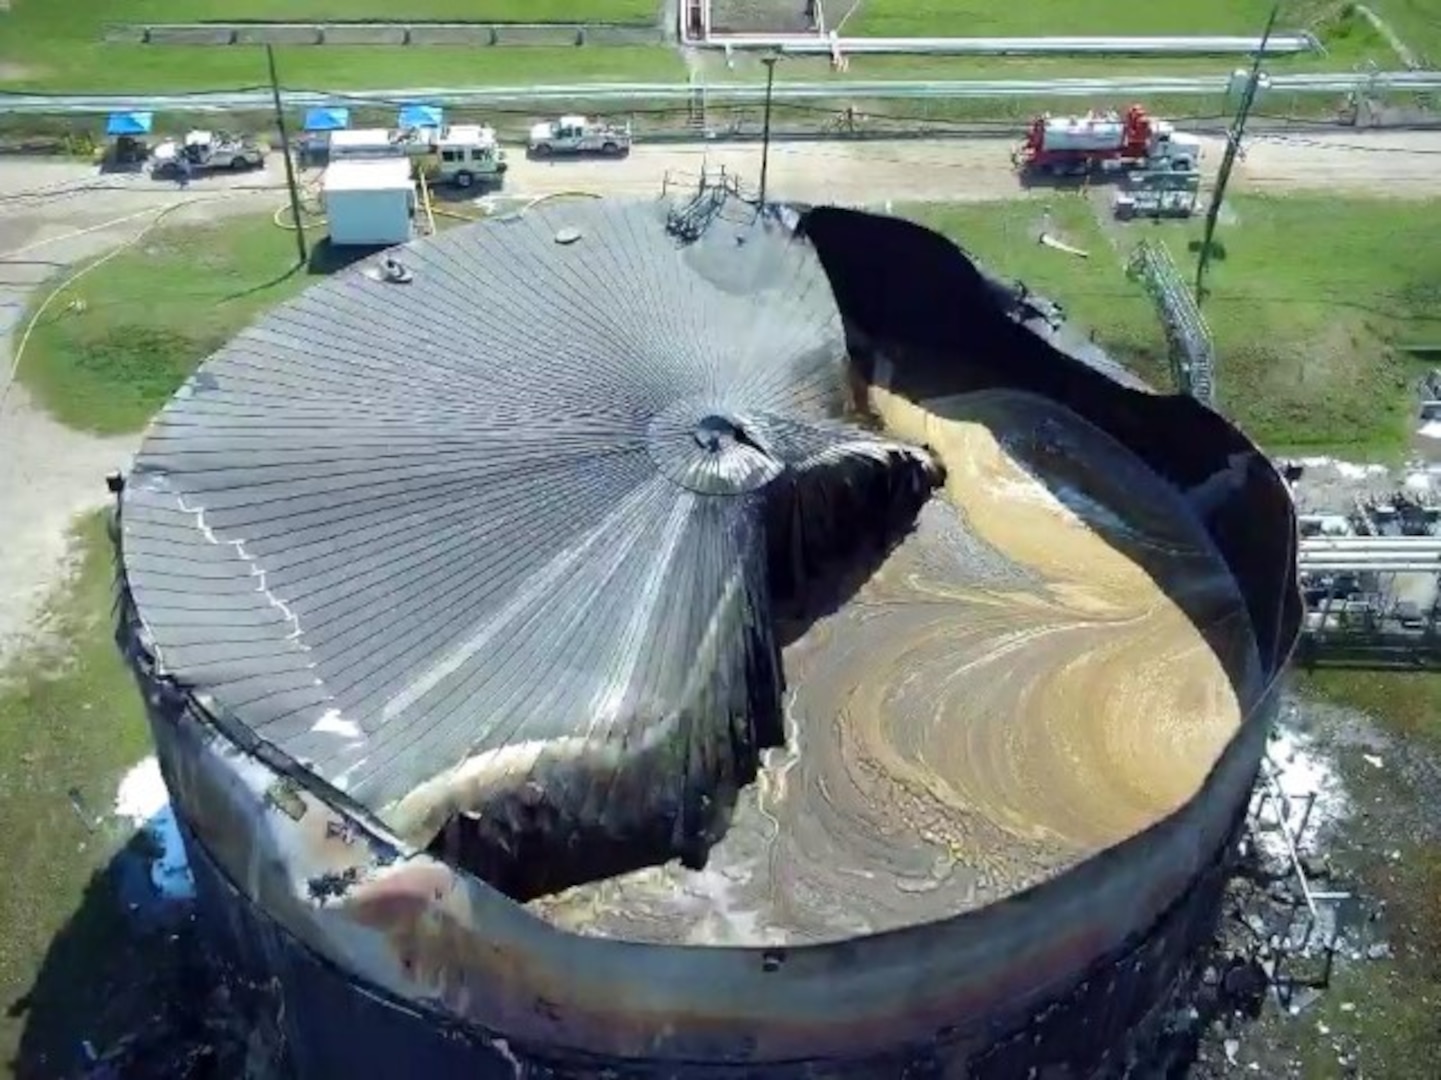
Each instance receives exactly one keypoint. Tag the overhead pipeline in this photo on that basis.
(619, 94)
(1180, 45)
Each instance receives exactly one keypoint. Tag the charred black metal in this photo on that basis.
(916, 1002)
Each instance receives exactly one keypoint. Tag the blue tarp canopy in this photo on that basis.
(421, 116)
(329, 118)
(129, 123)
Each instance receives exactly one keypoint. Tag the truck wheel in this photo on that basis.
(609, 149)
(464, 179)
(239, 164)
(543, 150)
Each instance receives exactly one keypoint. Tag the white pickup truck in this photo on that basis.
(579, 135)
(207, 151)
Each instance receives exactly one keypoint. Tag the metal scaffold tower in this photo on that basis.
(1188, 338)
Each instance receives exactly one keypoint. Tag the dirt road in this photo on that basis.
(54, 215)
(1395, 164)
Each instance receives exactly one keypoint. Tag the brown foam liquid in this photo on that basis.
(1047, 665)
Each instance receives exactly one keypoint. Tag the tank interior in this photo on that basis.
(1047, 661)
(735, 629)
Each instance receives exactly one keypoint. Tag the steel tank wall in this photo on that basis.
(417, 963)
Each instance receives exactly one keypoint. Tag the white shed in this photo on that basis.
(365, 143)
(370, 203)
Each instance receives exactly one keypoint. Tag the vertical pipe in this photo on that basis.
(770, 63)
(289, 165)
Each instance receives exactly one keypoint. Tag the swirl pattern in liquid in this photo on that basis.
(1051, 661)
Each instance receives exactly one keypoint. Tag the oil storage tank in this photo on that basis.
(633, 639)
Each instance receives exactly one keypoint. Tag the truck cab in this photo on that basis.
(1182, 151)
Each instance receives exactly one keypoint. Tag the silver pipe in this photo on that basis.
(1374, 568)
(1016, 46)
(727, 93)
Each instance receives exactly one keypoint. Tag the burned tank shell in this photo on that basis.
(449, 577)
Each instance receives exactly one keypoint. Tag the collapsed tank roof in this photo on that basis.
(437, 537)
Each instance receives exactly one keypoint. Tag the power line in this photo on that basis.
(1233, 146)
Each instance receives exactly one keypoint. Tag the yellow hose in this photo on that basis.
(425, 201)
(310, 206)
(317, 217)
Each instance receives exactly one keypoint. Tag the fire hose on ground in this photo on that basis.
(313, 210)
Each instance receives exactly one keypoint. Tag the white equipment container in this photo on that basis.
(366, 144)
(370, 203)
(1083, 133)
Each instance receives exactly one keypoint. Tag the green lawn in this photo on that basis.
(150, 315)
(1038, 18)
(1409, 702)
(1394, 1020)
(1417, 23)
(49, 47)
(66, 67)
(1305, 308)
(70, 721)
(1348, 39)
(95, 12)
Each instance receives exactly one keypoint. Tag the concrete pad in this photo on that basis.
(363, 35)
(192, 35)
(537, 35)
(278, 35)
(452, 34)
(124, 34)
(623, 35)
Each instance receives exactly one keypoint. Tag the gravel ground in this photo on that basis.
(1397, 164)
(759, 16)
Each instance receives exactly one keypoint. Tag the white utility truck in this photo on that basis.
(467, 154)
(579, 135)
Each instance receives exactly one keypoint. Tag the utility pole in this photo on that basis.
(769, 60)
(1233, 147)
(289, 165)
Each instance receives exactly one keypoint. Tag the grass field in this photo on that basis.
(975, 18)
(1348, 38)
(48, 47)
(150, 315)
(96, 12)
(66, 67)
(70, 721)
(1305, 308)
(1418, 23)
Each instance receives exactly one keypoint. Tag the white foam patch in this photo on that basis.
(1304, 774)
(1070, 504)
(144, 801)
(1347, 470)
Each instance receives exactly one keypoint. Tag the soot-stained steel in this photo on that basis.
(493, 542)
(405, 961)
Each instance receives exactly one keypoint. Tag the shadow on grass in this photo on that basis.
(121, 991)
(328, 258)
